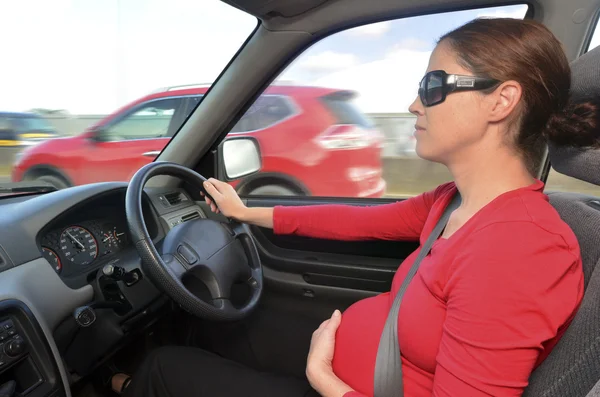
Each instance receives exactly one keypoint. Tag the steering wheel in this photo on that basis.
(217, 253)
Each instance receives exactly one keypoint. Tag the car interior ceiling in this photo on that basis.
(275, 338)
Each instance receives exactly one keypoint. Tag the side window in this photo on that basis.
(561, 183)
(595, 42)
(349, 133)
(6, 131)
(266, 112)
(155, 119)
(31, 124)
(18, 124)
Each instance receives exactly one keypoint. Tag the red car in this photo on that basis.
(313, 141)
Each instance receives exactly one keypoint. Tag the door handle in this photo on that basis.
(152, 153)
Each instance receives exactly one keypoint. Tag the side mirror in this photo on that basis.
(239, 157)
(96, 135)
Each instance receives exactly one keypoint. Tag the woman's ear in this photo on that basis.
(504, 100)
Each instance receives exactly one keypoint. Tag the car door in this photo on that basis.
(135, 139)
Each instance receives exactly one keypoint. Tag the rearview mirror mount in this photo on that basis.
(239, 157)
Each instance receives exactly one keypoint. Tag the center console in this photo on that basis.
(27, 365)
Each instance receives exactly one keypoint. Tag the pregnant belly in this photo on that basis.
(357, 340)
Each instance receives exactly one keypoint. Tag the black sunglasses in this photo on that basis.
(436, 84)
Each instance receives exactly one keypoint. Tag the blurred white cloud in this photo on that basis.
(327, 61)
(414, 44)
(371, 30)
(89, 57)
(388, 85)
(516, 13)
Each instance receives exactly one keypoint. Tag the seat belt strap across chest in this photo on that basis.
(388, 364)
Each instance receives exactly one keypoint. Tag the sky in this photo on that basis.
(93, 56)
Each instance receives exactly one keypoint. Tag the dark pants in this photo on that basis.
(190, 372)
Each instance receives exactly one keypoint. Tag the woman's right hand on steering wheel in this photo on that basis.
(226, 200)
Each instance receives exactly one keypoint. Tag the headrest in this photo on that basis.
(583, 164)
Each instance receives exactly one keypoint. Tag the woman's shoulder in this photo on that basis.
(526, 215)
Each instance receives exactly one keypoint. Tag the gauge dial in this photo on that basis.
(53, 258)
(109, 241)
(118, 237)
(78, 245)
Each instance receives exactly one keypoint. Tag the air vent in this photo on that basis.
(172, 199)
(190, 216)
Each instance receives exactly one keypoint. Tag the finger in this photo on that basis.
(213, 208)
(335, 320)
(212, 190)
(219, 185)
(201, 193)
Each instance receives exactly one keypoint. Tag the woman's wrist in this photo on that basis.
(243, 215)
(262, 217)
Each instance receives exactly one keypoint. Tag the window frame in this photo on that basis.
(295, 109)
(103, 132)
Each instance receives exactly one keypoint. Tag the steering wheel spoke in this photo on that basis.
(237, 228)
(175, 266)
(217, 254)
(224, 305)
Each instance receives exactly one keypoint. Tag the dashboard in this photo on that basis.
(73, 247)
(53, 248)
(90, 235)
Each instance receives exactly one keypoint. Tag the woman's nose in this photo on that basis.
(417, 107)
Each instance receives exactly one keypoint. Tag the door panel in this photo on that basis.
(337, 267)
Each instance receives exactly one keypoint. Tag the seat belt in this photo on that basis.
(388, 364)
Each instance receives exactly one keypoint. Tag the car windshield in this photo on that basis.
(103, 57)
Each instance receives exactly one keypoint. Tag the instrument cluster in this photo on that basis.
(74, 247)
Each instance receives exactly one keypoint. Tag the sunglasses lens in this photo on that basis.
(433, 89)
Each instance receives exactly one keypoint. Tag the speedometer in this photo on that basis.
(78, 245)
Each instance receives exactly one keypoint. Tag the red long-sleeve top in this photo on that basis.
(486, 305)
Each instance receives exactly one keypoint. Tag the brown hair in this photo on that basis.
(527, 52)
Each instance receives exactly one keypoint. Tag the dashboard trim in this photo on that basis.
(38, 286)
(27, 218)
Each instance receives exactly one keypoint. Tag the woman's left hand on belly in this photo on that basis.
(319, 369)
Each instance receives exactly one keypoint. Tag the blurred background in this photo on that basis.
(92, 90)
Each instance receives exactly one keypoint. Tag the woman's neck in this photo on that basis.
(483, 177)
